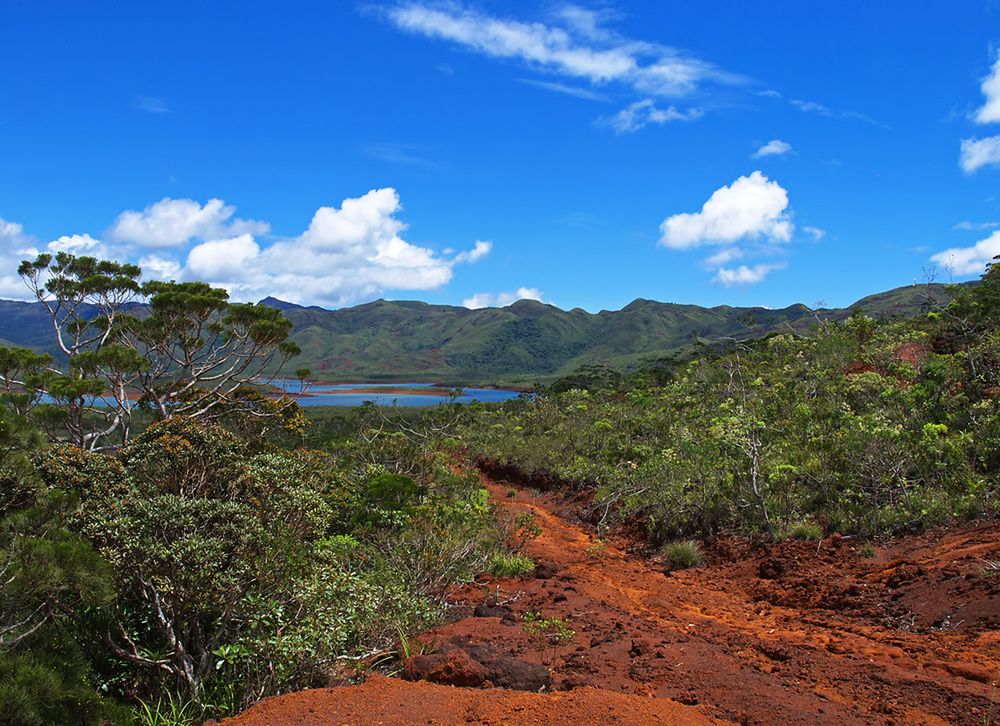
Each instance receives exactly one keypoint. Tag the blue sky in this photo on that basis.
(333, 153)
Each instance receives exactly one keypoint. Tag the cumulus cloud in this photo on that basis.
(989, 112)
(970, 260)
(645, 112)
(78, 244)
(744, 275)
(977, 153)
(752, 207)
(774, 147)
(346, 254)
(175, 222)
(15, 246)
(160, 267)
(502, 299)
(576, 44)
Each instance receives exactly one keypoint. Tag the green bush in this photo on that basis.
(806, 530)
(509, 564)
(683, 554)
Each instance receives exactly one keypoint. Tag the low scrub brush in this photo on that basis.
(684, 554)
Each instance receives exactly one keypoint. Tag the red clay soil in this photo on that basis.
(792, 633)
(381, 700)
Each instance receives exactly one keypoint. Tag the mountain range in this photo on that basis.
(523, 343)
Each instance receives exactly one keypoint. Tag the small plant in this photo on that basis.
(509, 564)
(867, 550)
(597, 549)
(547, 633)
(684, 554)
(991, 568)
(511, 493)
(807, 531)
(169, 711)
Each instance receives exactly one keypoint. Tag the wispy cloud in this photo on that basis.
(575, 91)
(989, 112)
(821, 110)
(151, 104)
(578, 45)
(976, 226)
(815, 232)
(643, 113)
(409, 154)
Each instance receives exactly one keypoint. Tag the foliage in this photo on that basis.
(864, 426)
(683, 554)
(504, 564)
(186, 351)
(806, 530)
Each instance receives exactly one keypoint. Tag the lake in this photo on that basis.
(387, 394)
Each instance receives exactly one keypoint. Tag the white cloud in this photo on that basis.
(816, 232)
(750, 208)
(744, 275)
(82, 245)
(175, 222)
(576, 45)
(774, 147)
(152, 104)
(978, 153)
(502, 299)
(724, 256)
(578, 48)
(820, 110)
(811, 107)
(480, 250)
(575, 91)
(990, 111)
(642, 113)
(967, 225)
(347, 254)
(160, 268)
(15, 246)
(222, 259)
(970, 260)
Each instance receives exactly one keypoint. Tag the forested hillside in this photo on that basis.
(523, 343)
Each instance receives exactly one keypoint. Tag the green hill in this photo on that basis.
(525, 342)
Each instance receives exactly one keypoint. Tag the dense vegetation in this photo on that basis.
(176, 549)
(173, 548)
(524, 343)
(859, 426)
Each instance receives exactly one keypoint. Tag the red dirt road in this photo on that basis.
(795, 633)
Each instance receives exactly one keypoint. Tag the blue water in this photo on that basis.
(337, 395)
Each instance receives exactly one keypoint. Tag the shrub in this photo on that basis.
(508, 564)
(684, 554)
(806, 530)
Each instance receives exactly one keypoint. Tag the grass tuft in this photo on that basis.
(684, 554)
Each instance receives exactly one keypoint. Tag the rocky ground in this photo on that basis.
(790, 633)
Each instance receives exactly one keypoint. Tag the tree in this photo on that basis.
(180, 348)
